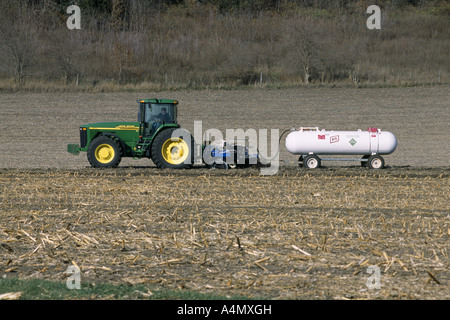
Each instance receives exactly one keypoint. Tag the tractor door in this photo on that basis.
(155, 115)
(143, 118)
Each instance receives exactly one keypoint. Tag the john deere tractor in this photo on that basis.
(155, 135)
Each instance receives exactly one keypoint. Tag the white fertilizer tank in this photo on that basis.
(371, 144)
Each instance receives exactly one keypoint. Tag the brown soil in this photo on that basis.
(299, 234)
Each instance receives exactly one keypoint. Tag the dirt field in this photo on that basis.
(37, 127)
(300, 234)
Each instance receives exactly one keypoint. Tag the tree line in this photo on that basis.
(187, 43)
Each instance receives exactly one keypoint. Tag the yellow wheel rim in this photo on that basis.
(175, 151)
(104, 153)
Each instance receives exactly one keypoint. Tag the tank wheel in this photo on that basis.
(311, 162)
(364, 163)
(375, 162)
(104, 152)
(168, 152)
(300, 161)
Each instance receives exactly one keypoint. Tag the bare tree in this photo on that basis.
(307, 53)
(120, 14)
(306, 49)
(18, 44)
(63, 49)
(123, 55)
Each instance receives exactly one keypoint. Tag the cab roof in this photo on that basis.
(158, 101)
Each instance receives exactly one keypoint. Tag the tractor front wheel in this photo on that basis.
(104, 152)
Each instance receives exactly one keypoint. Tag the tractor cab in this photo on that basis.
(154, 113)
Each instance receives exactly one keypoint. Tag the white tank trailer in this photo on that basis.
(309, 143)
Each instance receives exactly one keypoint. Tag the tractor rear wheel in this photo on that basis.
(173, 152)
(104, 152)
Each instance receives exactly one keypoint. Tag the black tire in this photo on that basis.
(240, 159)
(300, 161)
(207, 156)
(222, 165)
(104, 152)
(178, 154)
(312, 162)
(375, 162)
(364, 163)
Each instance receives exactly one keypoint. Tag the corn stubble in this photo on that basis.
(295, 235)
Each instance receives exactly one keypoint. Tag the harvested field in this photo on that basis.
(36, 127)
(299, 234)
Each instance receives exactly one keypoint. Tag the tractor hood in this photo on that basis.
(119, 125)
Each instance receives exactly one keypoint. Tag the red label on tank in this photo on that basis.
(321, 137)
(334, 139)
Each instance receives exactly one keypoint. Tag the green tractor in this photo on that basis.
(156, 135)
